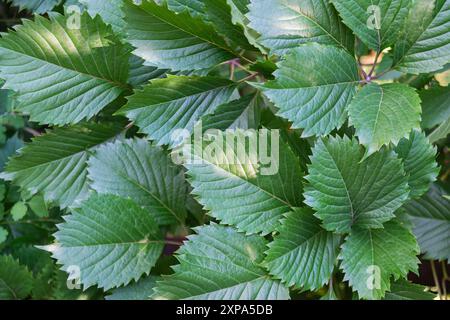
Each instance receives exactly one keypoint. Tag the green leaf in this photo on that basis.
(110, 11)
(55, 164)
(243, 187)
(405, 290)
(3, 235)
(196, 8)
(177, 102)
(140, 74)
(174, 41)
(18, 211)
(382, 114)
(313, 87)
(303, 254)
(144, 173)
(110, 239)
(38, 205)
(430, 216)
(141, 290)
(425, 43)
(244, 113)
(383, 253)
(15, 280)
(292, 23)
(219, 263)
(441, 132)
(419, 161)
(435, 106)
(36, 6)
(376, 23)
(66, 74)
(347, 191)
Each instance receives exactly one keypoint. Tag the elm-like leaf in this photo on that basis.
(218, 263)
(111, 240)
(385, 113)
(349, 191)
(313, 87)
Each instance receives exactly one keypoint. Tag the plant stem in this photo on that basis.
(436, 280)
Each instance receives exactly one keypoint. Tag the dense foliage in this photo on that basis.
(344, 196)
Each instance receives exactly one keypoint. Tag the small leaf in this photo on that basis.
(39, 206)
(371, 258)
(219, 263)
(3, 235)
(110, 239)
(347, 191)
(18, 211)
(382, 114)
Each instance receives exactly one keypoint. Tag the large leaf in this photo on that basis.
(144, 173)
(15, 280)
(303, 254)
(435, 106)
(313, 87)
(430, 216)
(292, 22)
(55, 164)
(110, 240)
(376, 22)
(425, 42)
(62, 74)
(177, 102)
(405, 290)
(419, 160)
(371, 258)
(230, 179)
(384, 113)
(347, 191)
(220, 264)
(174, 41)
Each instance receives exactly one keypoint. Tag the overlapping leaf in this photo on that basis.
(141, 290)
(303, 254)
(313, 88)
(110, 240)
(177, 102)
(405, 290)
(384, 113)
(347, 191)
(291, 23)
(376, 22)
(144, 173)
(219, 263)
(55, 164)
(15, 280)
(246, 184)
(36, 6)
(372, 258)
(430, 216)
(425, 43)
(174, 41)
(419, 161)
(63, 73)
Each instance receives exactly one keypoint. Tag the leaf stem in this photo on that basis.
(435, 278)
